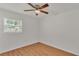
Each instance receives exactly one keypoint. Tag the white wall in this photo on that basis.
(62, 31)
(29, 35)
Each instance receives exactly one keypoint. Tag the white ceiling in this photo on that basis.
(58, 8)
(54, 8)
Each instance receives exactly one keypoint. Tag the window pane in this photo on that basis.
(12, 25)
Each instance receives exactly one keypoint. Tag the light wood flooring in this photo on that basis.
(37, 49)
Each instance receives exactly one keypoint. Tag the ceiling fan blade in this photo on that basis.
(44, 6)
(30, 10)
(44, 11)
(32, 5)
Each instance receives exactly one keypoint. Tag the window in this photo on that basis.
(12, 25)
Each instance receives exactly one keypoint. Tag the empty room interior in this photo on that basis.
(39, 29)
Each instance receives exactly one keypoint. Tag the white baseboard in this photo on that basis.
(17, 47)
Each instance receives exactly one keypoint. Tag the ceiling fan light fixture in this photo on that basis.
(38, 8)
(37, 11)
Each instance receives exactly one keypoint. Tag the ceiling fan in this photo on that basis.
(38, 9)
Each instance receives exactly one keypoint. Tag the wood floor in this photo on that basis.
(37, 49)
